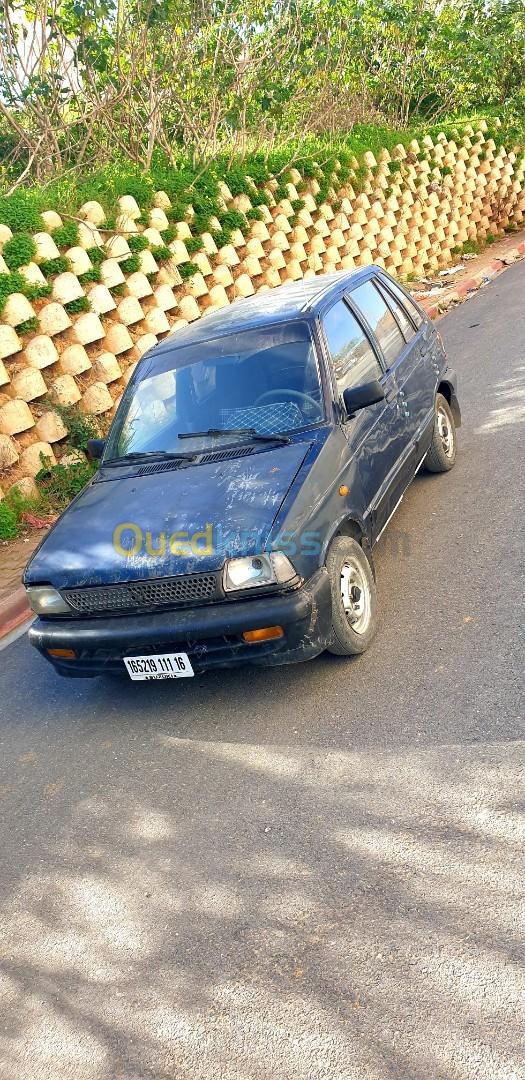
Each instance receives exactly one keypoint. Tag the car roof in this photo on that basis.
(281, 304)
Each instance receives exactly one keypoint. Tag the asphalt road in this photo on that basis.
(302, 873)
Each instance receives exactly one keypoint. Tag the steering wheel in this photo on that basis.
(293, 394)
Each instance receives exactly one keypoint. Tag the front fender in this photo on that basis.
(449, 380)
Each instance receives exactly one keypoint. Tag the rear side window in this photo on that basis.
(380, 320)
(406, 302)
(353, 357)
(399, 312)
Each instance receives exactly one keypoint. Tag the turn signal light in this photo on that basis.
(265, 634)
(63, 654)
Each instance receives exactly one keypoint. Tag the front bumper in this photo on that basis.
(211, 635)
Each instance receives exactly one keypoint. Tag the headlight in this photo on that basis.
(255, 570)
(47, 601)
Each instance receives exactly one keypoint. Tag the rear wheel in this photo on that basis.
(354, 600)
(442, 453)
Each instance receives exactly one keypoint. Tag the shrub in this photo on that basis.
(60, 483)
(97, 255)
(36, 291)
(28, 326)
(232, 219)
(201, 221)
(193, 244)
(90, 275)
(237, 182)
(137, 243)
(255, 214)
(130, 265)
(9, 284)
(52, 267)
(259, 198)
(19, 250)
(169, 234)
(161, 253)
(187, 270)
(67, 235)
(74, 307)
(177, 212)
(9, 522)
(81, 426)
(21, 212)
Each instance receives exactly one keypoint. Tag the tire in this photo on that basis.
(349, 570)
(442, 453)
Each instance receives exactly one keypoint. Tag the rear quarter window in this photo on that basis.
(406, 301)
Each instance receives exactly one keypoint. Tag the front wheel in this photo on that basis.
(442, 453)
(354, 600)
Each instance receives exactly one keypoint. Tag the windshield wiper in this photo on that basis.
(148, 455)
(251, 432)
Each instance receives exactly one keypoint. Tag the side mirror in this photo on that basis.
(95, 449)
(360, 397)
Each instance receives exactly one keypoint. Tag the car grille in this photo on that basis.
(142, 595)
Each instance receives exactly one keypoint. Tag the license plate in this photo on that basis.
(161, 666)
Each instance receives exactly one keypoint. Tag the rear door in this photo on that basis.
(418, 367)
(372, 433)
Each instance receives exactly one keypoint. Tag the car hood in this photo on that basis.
(122, 527)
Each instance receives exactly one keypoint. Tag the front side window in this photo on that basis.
(380, 320)
(264, 381)
(353, 357)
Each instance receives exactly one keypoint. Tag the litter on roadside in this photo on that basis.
(451, 270)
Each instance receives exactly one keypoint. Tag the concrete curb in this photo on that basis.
(14, 611)
(472, 284)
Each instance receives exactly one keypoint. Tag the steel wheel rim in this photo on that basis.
(355, 595)
(446, 432)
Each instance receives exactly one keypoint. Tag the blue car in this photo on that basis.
(254, 460)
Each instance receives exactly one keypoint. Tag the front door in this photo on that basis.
(370, 305)
(373, 433)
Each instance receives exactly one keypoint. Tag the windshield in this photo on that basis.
(258, 382)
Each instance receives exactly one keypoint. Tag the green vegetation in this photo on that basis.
(67, 235)
(19, 250)
(52, 267)
(131, 264)
(81, 427)
(28, 326)
(75, 307)
(187, 270)
(161, 253)
(56, 484)
(9, 521)
(93, 275)
(137, 243)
